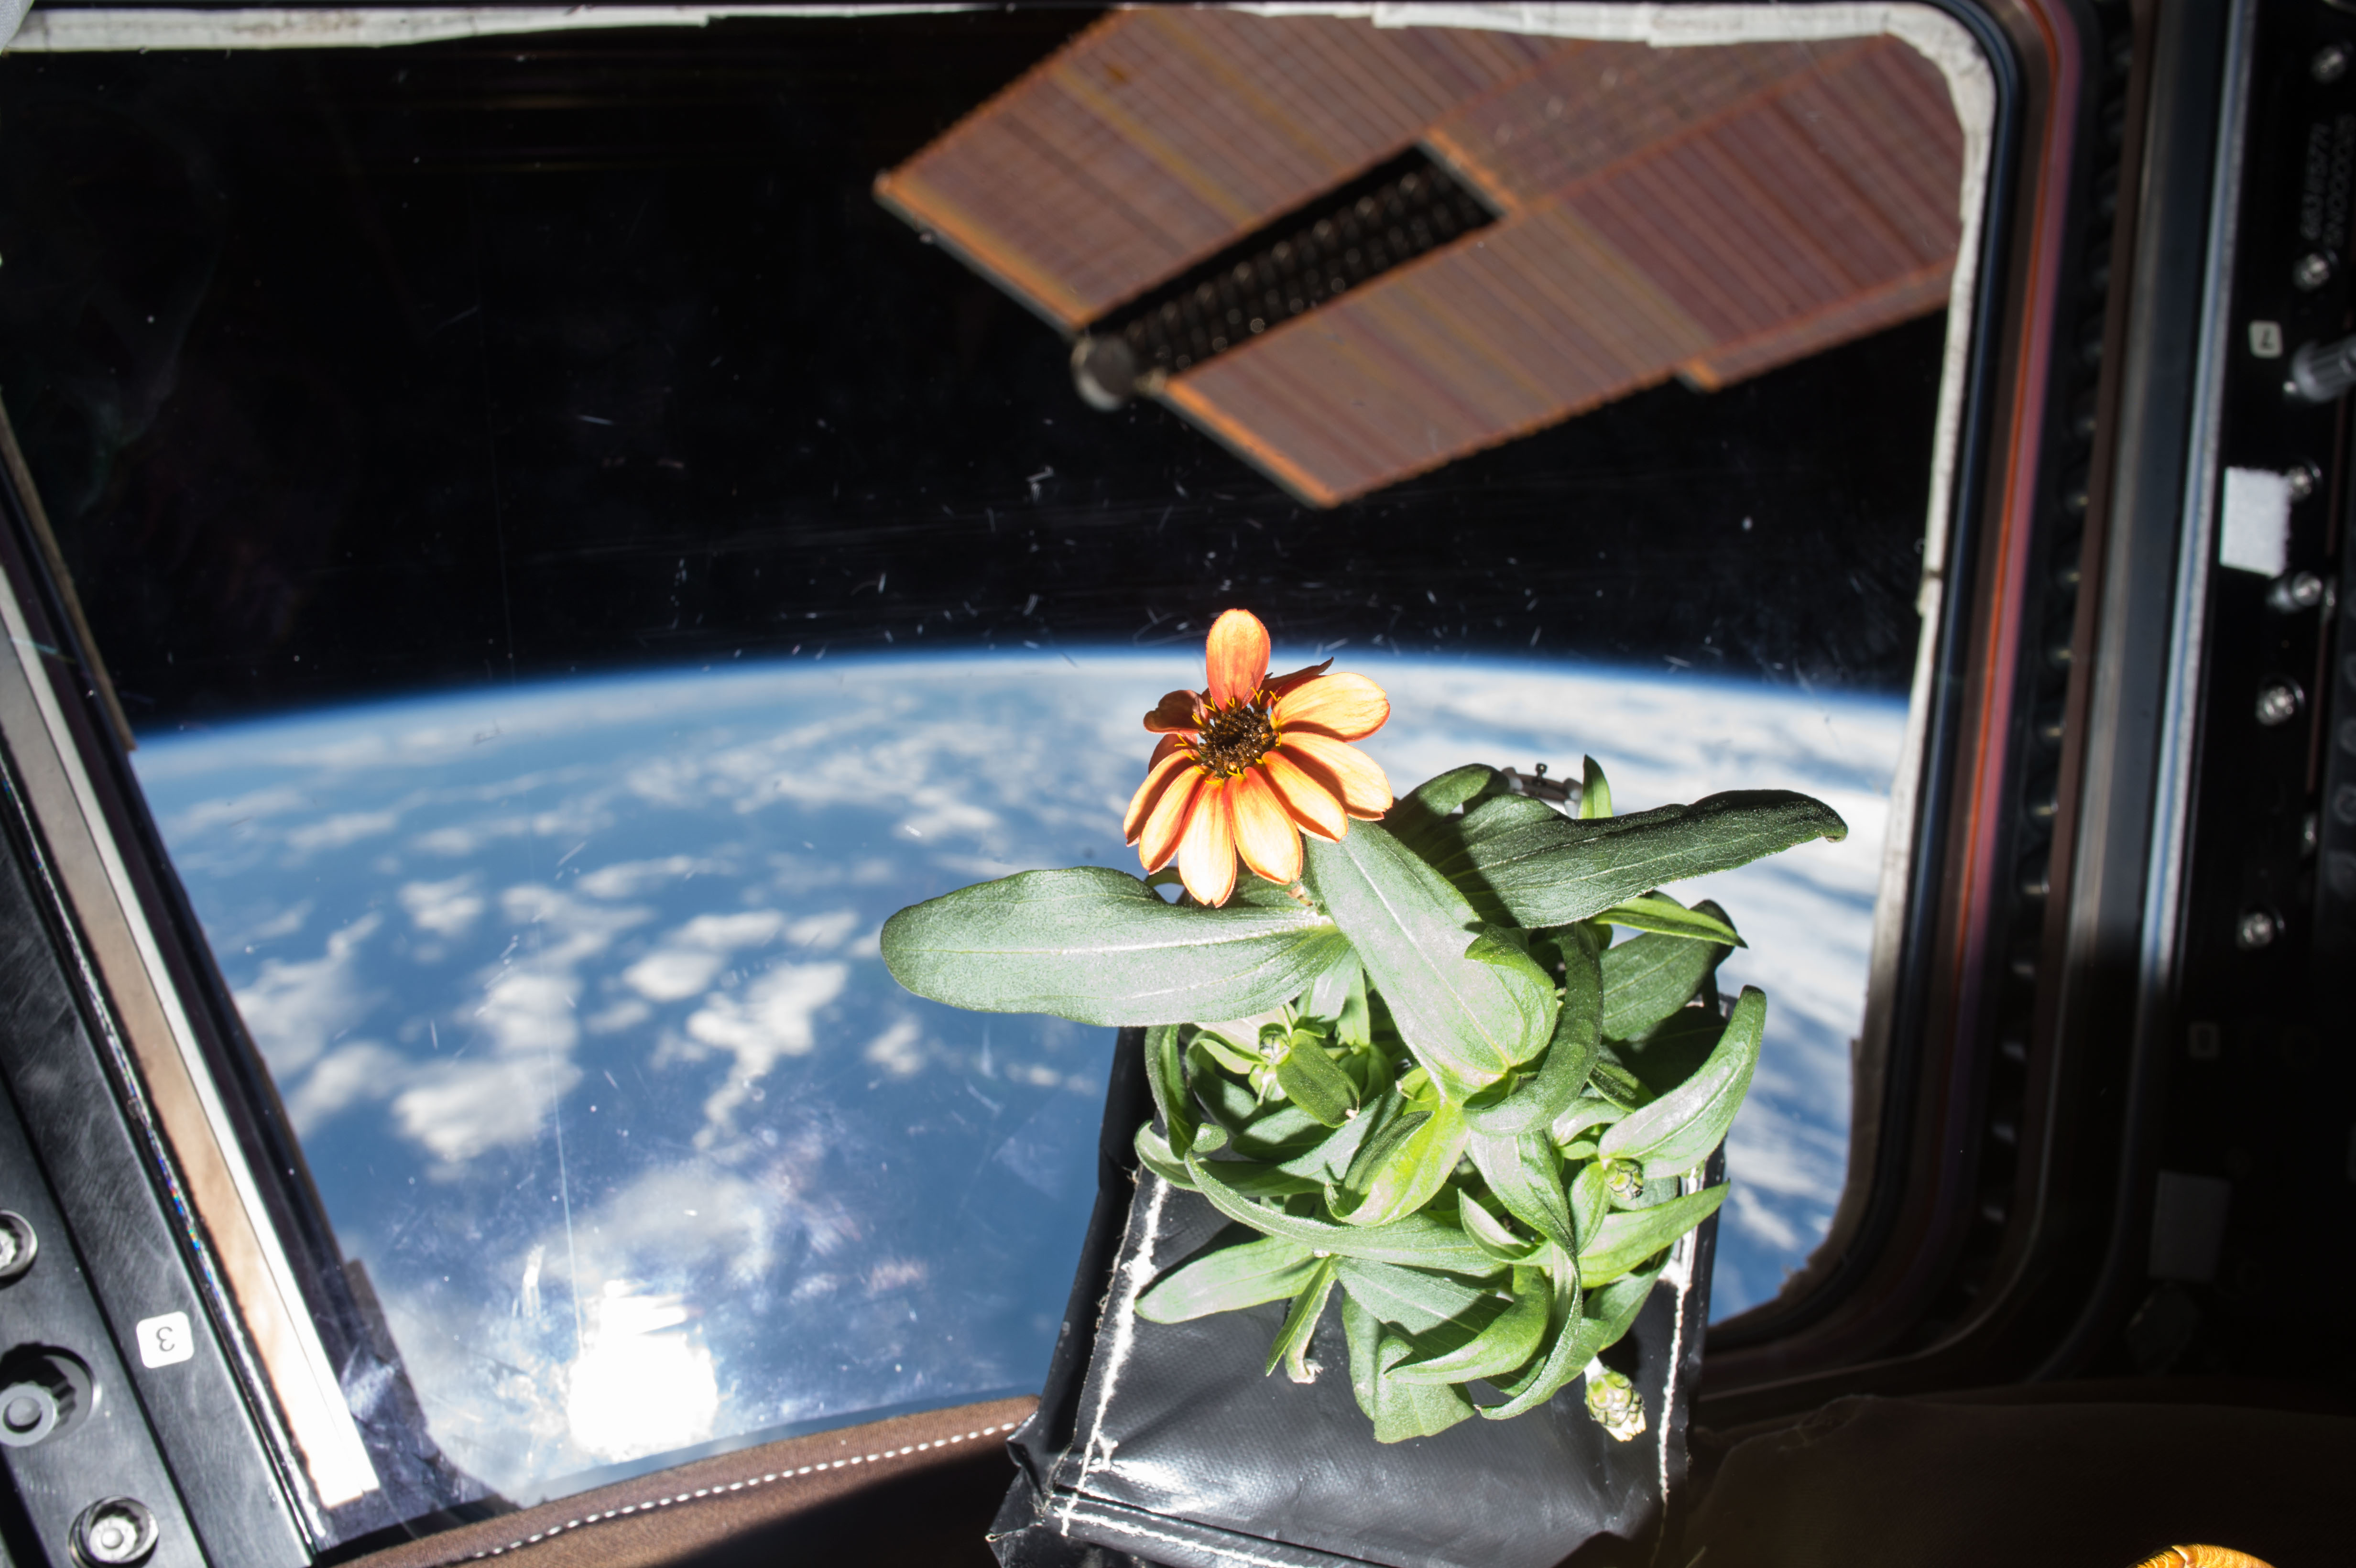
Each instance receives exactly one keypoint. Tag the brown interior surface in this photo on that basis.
(913, 1489)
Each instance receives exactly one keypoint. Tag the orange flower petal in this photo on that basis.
(1206, 859)
(1345, 770)
(1311, 803)
(1265, 835)
(1346, 706)
(1236, 653)
(1166, 822)
(1168, 758)
(1174, 712)
(1282, 684)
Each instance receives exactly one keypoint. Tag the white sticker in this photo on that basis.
(166, 1341)
(2266, 339)
(2255, 536)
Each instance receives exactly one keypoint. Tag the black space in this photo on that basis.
(372, 370)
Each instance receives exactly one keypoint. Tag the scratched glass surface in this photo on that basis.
(580, 551)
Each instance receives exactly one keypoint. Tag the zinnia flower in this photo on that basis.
(1249, 764)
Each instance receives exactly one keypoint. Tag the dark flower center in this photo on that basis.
(1235, 737)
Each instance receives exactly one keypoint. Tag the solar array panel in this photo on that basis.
(1707, 212)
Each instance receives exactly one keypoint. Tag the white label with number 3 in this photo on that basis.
(166, 1341)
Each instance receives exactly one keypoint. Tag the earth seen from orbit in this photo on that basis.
(573, 993)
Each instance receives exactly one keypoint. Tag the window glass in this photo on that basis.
(586, 526)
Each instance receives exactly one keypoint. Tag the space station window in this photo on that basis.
(578, 546)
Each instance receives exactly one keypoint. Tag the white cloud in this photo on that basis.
(346, 1075)
(347, 827)
(462, 1109)
(899, 1049)
(293, 1010)
(669, 974)
(775, 1017)
(444, 908)
(824, 932)
(635, 879)
(459, 1110)
(689, 958)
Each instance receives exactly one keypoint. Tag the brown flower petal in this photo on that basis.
(1173, 714)
(1166, 822)
(1265, 835)
(1309, 802)
(1166, 765)
(1237, 655)
(1206, 858)
(1348, 771)
(1346, 706)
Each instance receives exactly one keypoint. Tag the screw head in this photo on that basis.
(2312, 272)
(28, 1412)
(2329, 64)
(2297, 591)
(2279, 703)
(2301, 480)
(2256, 929)
(20, 1244)
(113, 1532)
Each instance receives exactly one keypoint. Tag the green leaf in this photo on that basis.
(1292, 1345)
(1663, 914)
(1511, 1338)
(1312, 1082)
(1537, 867)
(1562, 1073)
(1278, 1132)
(1254, 1179)
(1418, 1240)
(1212, 1046)
(1647, 979)
(1578, 1339)
(1412, 1171)
(1241, 1274)
(1673, 1050)
(1491, 1234)
(1588, 1111)
(1560, 1359)
(1331, 1159)
(1154, 1154)
(1676, 1132)
(1417, 813)
(1466, 1021)
(1626, 1238)
(1099, 946)
(1594, 790)
(1590, 1200)
(1165, 1074)
(1399, 1410)
(1413, 1299)
(1525, 1173)
(1509, 949)
(1340, 997)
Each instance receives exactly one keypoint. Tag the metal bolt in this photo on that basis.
(2279, 703)
(2257, 929)
(28, 1412)
(18, 1245)
(114, 1530)
(2312, 272)
(2329, 64)
(2299, 591)
(2302, 478)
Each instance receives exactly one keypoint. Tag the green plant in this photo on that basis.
(1429, 1076)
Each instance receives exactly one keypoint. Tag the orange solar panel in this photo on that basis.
(1711, 212)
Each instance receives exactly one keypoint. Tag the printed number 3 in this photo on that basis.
(165, 1341)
